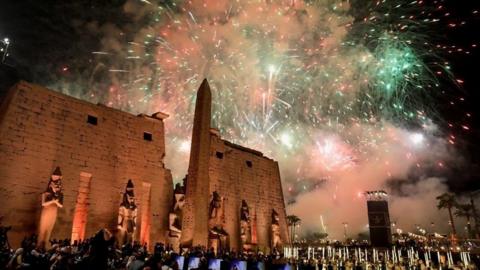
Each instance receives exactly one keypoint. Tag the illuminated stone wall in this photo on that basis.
(41, 129)
(238, 173)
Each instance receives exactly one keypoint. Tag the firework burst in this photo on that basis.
(334, 81)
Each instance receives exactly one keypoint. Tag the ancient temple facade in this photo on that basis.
(70, 168)
(98, 150)
(233, 196)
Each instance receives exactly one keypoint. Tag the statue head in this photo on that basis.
(244, 205)
(215, 204)
(55, 183)
(179, 201)
(216, 196)
(178, 189)
(275, 217)
(129, 197)
(244, 213)
(178, 197)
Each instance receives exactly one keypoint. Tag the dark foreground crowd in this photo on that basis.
(99, 252)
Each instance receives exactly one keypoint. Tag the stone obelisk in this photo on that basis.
(195, 215)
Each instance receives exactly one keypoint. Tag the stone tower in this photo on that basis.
(97, 148)
(195, 221)
(378, 218)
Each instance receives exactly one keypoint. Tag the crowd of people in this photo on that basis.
(100, 252)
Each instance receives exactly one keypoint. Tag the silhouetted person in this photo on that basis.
(98, 259)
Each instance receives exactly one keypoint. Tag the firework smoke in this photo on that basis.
(338, 92)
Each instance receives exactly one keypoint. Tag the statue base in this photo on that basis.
(174, 242)
(249, 247)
